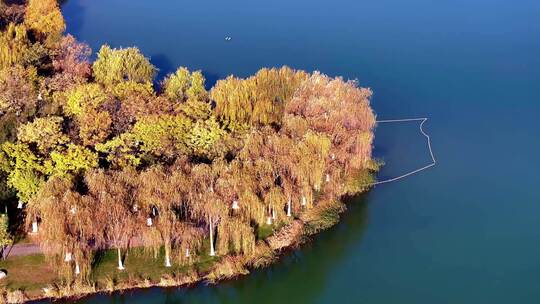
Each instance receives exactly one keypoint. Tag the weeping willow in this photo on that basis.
(14, 45)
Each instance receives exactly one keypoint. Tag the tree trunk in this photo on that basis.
(212, 251)
(289, 207)
(167, 254)
(77, 268)
(120, 265)
(34, 227)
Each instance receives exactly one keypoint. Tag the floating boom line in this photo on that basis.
(428, 139)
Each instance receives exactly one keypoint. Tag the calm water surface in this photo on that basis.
(465, 231)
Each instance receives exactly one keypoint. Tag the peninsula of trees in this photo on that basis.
(101, 156)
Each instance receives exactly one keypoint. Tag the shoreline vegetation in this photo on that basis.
(125, 182)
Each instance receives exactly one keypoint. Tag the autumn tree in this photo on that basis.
(26, 170)
(45, 19)
(71, 60)
(175, 85)
(126, 64)
(187, 90)
(257, 100)
(114, 194)
(205, 205)
(71, 161)
(67, 226)
(163, 193)
(18, 91)
(5, 237)
(87, 103)
(14, 45)
(44, 132)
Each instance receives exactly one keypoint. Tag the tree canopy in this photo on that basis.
(102, 156)
(117, 65)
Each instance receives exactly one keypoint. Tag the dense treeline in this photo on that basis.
(101, 159)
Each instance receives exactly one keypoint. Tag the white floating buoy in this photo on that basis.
(235, 205)
(20, 205)
(68, 257)
(34, 227)
(149, 222)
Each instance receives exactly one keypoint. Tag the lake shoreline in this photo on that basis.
(284, 241)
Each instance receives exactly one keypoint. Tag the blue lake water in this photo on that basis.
(464, 231)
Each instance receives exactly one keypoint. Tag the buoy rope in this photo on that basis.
(433, 161)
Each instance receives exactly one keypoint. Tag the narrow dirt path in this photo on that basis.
(22, 249)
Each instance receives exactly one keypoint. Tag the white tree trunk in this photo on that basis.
(68, 257)
(269, 217)
(120, 265)
(212, 251)
(34, 227)
(289, 207)
(20, 205)
(187, 252)
(304, 200)
(167, 256)
(77, 268)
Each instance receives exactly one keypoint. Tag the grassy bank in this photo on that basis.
(33, 274)
(31, 277)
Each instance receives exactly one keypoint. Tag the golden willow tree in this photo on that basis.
(162, 193)
(114, 196)
(106, 160)
(67, 228)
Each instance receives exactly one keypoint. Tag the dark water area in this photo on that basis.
(464, 231)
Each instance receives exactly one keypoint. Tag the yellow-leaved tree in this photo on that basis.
(125, 64)
(45, 19)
